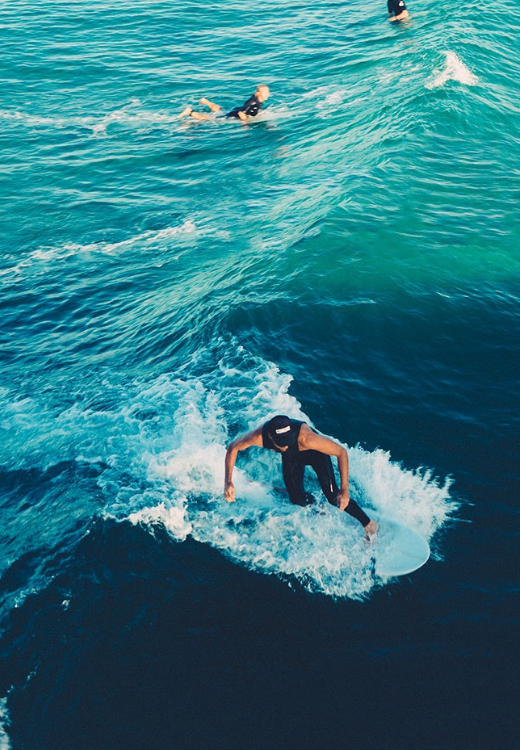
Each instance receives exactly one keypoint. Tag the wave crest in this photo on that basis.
(454, 70)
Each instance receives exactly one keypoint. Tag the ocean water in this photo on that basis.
(351, 259)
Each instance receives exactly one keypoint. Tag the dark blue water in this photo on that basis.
(350, 259)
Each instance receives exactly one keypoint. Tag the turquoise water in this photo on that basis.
(350, 258)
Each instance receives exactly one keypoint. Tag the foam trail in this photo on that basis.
(122, 117)
(454, 70)
(144, 240)
(5, 743)
(323, 550)
(98, 125)
(159, 447)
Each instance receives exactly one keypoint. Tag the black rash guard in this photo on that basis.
(294, 462)
(251, 108)
(396, 7)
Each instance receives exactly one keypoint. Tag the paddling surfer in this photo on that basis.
(397, 11)
(249, 109)
(300, 446)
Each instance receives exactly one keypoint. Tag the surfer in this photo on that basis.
(300, 446)
(397, 11)
(249, 109)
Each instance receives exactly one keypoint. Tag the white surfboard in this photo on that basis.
(397, 549)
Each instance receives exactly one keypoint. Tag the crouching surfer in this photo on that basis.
(300, 446)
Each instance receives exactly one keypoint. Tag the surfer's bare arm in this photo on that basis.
(242, 116)
(239, 444)
(310, 440)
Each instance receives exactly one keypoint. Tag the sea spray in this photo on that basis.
(454, 70)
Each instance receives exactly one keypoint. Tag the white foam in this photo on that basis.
(273, 114)
(27, 119)
(413, 497)
(317, 546)
(123, 117)
(454, 70)
(162, 445)
(336, 97)
(329, 100)
(144, 240)
(152, 237)
(131, 115)
(173, 518)
(5, 743)
(314, 93)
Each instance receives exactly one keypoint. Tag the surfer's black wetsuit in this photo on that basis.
(294, 462)
(396, 7)
(251, 108)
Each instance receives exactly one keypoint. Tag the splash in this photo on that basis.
(5, 743)
(160, 449)
(454, 70)
(321, 549)
(324, 550)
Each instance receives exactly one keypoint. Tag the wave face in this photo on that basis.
(350, 259)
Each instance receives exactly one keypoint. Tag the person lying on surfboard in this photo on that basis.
(249, 109)
(300, 446)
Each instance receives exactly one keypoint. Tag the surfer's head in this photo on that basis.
(262, 92)
(281, 431)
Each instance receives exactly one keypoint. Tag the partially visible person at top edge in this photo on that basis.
(248, 110)
(397, 11)
(300, 446)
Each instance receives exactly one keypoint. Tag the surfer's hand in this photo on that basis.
(371, 530)
(343, 499)
(229, 492)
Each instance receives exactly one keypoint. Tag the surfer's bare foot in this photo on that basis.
(204, 102)
(371, 530)
(186, 112)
